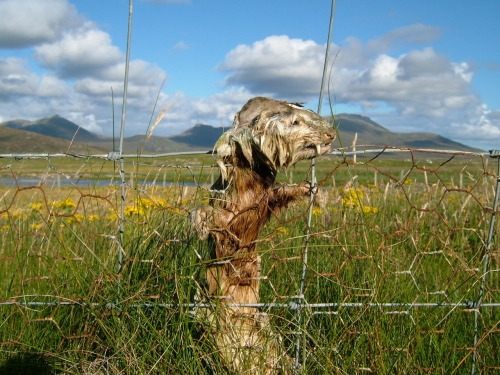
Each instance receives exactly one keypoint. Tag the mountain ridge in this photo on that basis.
(54, 126)
(203, 137)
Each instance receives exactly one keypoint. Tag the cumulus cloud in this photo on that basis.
(292, 68)
(18, 29)
(405, 92)
(87, 122)
(480, 127)
(144, 83)
(83, 67)
(82, 51)
(17, 79)
(419, 82)
(50, 86)
(276, 66)
(413, 34)
(217, 110)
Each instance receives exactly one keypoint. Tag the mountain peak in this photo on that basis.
(54, 126)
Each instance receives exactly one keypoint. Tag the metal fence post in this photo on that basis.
(486, 261)
(122, 132)
(301, 298)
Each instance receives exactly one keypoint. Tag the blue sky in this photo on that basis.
(409, 65)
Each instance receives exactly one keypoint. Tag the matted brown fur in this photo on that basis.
(266, 135)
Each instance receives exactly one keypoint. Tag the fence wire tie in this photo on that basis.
(114, 155)
(494, 154)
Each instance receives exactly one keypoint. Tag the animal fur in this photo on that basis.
(267, 135)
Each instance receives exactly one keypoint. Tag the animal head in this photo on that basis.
(275, 132)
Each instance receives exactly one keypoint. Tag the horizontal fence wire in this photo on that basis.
(367, 149)
(402, 270)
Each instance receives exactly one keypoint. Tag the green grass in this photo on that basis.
(398, 241)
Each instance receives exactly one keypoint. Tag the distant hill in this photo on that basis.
(371, 133)
(200, 135)
(154, 144)
(15, 141)
(55, 126)
(56, 133)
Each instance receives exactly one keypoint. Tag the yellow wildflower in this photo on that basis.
(316, 211)
(79, 217)
(19, 214)
(282, 230)
(134, 210)
(146, 203)
(352, 198)
(370, 210)
(112, 217)
(36, 207)
(66, 205)
(161, 202)
(93, 217)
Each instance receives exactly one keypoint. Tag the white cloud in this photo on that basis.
(144, 84)
(420, 89)
(17, 79)
(422, 83)
(419, 82)
(51, 86)
(82, 66)
(87, 122)
(29, 22)
(216, 110)
(413, 34)
(481, 127)
(82, 51)
(277, 66)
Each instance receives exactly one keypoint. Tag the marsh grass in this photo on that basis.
(379, 244)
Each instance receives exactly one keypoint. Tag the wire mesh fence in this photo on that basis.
(401, 273)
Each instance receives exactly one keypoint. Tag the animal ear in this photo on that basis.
(223, 149)
(228, 145)
(241, 144)
(246, 142)
(252, 151)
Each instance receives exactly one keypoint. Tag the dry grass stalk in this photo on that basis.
(72, 139)
(157, 121)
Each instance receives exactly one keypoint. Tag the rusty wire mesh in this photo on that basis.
(402, 275)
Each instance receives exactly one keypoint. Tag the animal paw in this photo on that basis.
(308, 188)
(199, 221)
